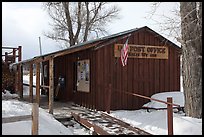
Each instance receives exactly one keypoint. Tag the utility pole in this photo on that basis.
(41, 66)
(40, 46)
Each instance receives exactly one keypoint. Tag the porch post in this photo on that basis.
(31, 83)
(38, 83)
(51, 85)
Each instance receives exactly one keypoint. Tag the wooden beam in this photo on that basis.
(88, 124)
(14, 54)
(35, 119)
(44, 86)
(31, 83)
(8, 48)
(108, 101)
(16, 81)
(34, 86)
(38, 83)
(75, 49)
(15, 118)
(19, 53)
(51, 85)
(20, 81)
(170, 116)
(6, 56)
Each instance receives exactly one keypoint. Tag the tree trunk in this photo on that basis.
(69, 23)
(87, 22)
(191, 59)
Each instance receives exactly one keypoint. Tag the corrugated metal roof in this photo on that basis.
(79, 45)
(92, 41)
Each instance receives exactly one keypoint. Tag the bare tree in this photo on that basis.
(169, 24)
(191, 30)
(76, 22)
(186, 27)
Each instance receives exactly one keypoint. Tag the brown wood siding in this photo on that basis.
(141, 76)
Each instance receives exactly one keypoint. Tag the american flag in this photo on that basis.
(124, 53)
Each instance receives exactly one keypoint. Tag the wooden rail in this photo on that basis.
(16, 118)
(168, 103)
(104, 124)
(127, 125)
(41, 86)
(34, 116)
(10, 57)
(13, 52)
(87, 124)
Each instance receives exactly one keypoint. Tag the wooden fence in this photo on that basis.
(34, 116)
(169, 104)
(12, 58)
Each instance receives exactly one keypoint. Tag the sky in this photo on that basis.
(154, 121)
(24, 22)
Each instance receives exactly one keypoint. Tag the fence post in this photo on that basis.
(170, 116)
(14, 55)
(35, 119)
(20, 80)
(6, 56)
(19, 53)
(31, 82)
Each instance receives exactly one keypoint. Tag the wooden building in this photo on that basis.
(91, 74)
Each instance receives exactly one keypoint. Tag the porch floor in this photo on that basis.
(60, 109)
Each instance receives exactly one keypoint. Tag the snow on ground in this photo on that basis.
(48, 125)
(154, 122)
(178, 98)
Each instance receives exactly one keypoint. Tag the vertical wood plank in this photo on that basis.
(176, 65)
(19, 53)
(111, 72)
(162, 71)
(157, 70)
(167, 74)
(38, 83)
(16, 80)
(179, 71)
(35, 119)
(170, 116)
(171, 61)
(141, 67)
(114, 78)
(130, 75)
(31, 83)
(14, 54)
(152, 68)
(20, 81)
(93, 72)
(135, 75)
(124, 81)
(106, 66)
(51, 85)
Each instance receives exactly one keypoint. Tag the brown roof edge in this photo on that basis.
(162, 37)
(95, 42)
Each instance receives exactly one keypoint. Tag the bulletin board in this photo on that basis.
(83, 75)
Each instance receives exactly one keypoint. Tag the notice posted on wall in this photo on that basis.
(83, 74)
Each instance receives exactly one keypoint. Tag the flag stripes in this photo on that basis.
(124, 53)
